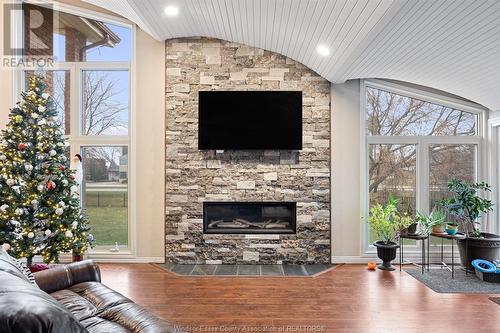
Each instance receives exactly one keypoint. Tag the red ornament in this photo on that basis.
(62, 167)
(72, 177)
(21, 146)
(51, 185)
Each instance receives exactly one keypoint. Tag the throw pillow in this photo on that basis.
(19, 264)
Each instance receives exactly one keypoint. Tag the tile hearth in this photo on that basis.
(247, 270)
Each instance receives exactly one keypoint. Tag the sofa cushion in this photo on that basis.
(25, 308)
(101, 309)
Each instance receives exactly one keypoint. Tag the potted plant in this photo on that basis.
(467, 206)
(387, 224)
(451, 229)
(432, 222)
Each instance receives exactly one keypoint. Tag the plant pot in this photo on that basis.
(411, 230)
(438, 229)
(77, 256)
(386, 253)
(451, 229)
(487, 248)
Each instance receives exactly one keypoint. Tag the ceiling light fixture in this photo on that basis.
(323, 50)
(171, 10)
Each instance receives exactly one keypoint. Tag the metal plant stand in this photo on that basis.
(401, 251)
(453, 239)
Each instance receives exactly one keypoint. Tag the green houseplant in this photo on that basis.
(430, 222)
(468, 206)
(387, 223)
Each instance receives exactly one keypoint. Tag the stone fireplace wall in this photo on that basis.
(194, 176)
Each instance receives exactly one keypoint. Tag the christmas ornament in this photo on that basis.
(62, 167)
(45, 96)
(10, 182)
(34, 115)
(3, 157)
(74, 225)
(18, 118)
(62, 204)
(31, 235)
(40, 188)
(3, 208)
(19, 211)
(64, 182)
(52, 153)
(68, 234)
(77, 166)
(21, 146)
(74, 188)
(41, 108)
(28, 167)
(59, 211)
(48, 232)
(34, 203)
(51, 185)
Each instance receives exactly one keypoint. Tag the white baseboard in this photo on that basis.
(413, 257)
(136, 260)
(353, 260)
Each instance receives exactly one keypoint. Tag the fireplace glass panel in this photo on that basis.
(249, 217)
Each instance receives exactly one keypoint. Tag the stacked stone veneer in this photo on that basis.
(194, 176)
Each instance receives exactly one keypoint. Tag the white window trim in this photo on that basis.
(421, 142)
(75, 138)
(493, 170)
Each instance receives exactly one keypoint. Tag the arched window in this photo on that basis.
(416, 141)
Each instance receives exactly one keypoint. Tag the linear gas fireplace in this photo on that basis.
(249, 217)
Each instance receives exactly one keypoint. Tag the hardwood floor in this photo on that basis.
(346, 299)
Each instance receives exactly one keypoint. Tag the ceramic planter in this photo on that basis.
(386, 253)
(438, 229)
(487, 248)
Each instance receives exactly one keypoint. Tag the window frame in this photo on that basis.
(422, 143)
(76, 140)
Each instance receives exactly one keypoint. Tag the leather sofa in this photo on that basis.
(69, 298)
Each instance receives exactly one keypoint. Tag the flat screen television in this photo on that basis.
(250, 120)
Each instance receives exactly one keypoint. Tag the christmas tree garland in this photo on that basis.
(40, 208)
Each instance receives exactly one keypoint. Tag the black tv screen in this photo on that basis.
(250, 120)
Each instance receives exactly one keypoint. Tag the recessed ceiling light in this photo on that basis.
(171, 10)
(323, 50)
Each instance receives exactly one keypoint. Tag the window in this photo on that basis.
(414, 145)
(90, 84)
(392, 171)
(105, 99)
(106, 193)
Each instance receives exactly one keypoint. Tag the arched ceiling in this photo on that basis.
(451, 45)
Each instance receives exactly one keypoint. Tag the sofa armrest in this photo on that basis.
(63, 276)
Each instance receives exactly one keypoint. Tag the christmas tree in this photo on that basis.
(40, 212)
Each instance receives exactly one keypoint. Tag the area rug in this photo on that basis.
(440, 281)
(495, 300)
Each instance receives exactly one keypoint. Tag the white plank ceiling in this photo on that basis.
(451, 45)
